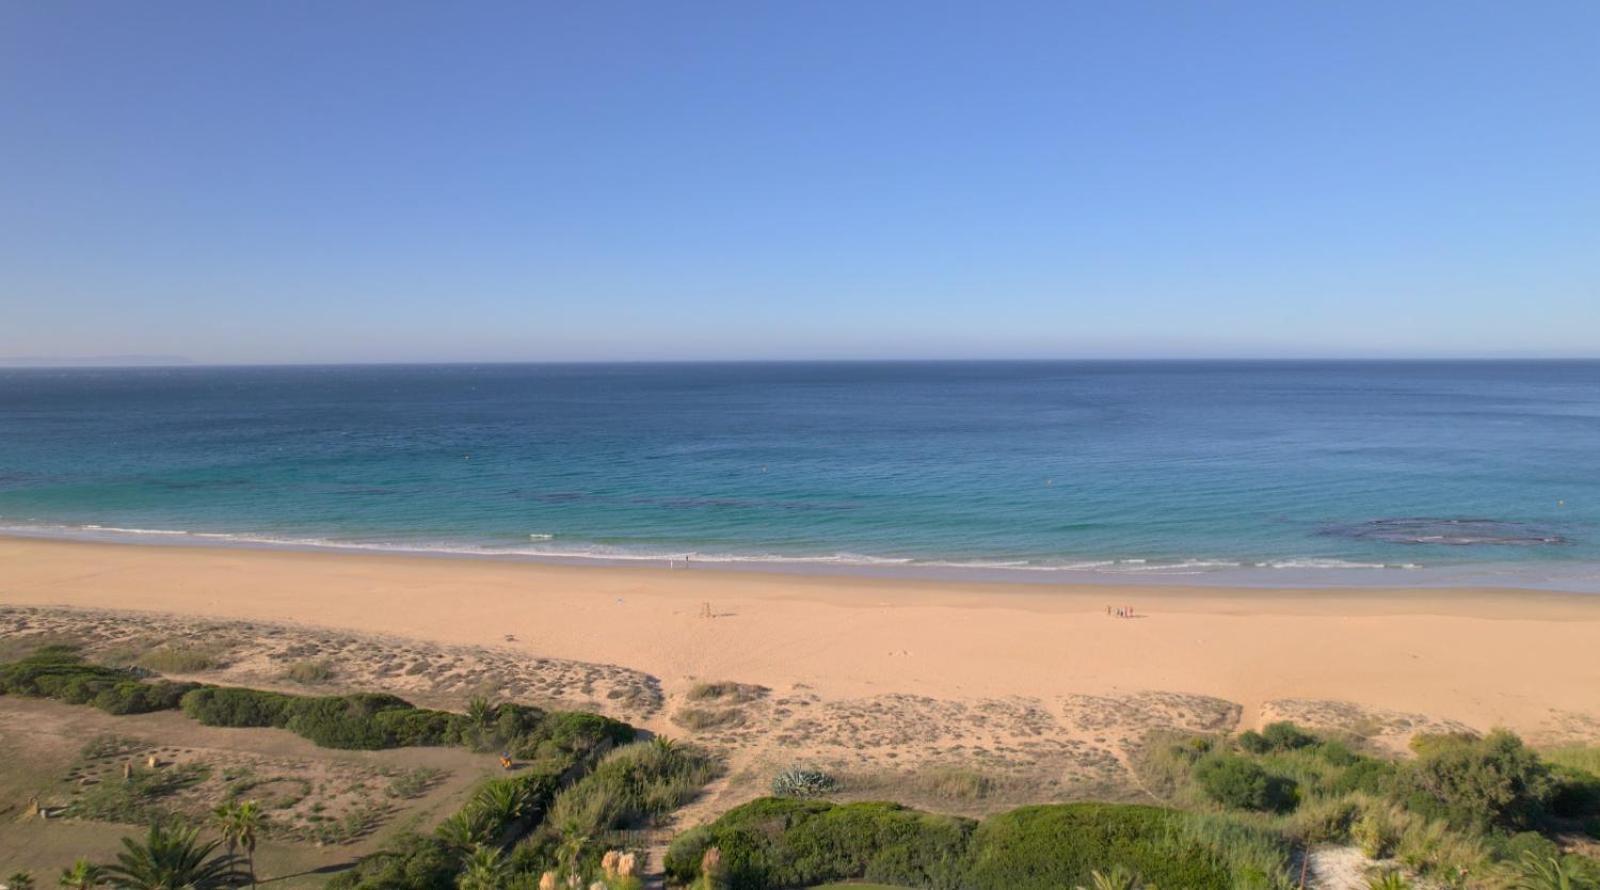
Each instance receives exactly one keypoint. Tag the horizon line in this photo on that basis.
(170, 364)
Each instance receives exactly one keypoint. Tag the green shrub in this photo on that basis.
(412, 862)
(794, 843)
(775, 843)
(1243, 785)
(1367, 775)
(563, 733)
(1576, 794)
(1058, 846)
(135, 697)
(1280, 736)
(352, 721)
(59, 673)
(1479, 783)
(233, 706)
(1337, 753)
(628, 789)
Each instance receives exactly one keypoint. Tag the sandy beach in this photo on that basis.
(1479, 657)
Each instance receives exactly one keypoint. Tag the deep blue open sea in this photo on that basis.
(1237, 472)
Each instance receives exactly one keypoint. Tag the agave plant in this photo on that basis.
(799, 782)
(81, 875)
(1389, 880)
(502, 803)
(173, 858)
(1544, 873)
(1118, 878)
(466, 828)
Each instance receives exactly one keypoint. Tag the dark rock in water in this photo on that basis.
(1449, 532)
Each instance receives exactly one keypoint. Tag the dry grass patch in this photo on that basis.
(310, 672)
(178, 660)
(704, 719)
(726, 692)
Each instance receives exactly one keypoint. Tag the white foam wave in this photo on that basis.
(538, 548)
(1310, 563)
(134, 531)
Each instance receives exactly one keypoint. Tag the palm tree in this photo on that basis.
(484, 869)
(20, 880)
(82, 875)
(1544, 873)
(173, 858)
(574, 843)
(480, 712)
(240, 825)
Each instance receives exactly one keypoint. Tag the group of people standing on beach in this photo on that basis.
(1120, 611)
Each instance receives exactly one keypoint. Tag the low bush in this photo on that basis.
(1241, 784)
(1280, 736)
(560, 734)
(628, 789)
(1477, 784)
(794, 843)
(776, 843)
(60, 673)
(411, 862)
(233, 706)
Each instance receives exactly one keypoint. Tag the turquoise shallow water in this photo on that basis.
(1268, 472)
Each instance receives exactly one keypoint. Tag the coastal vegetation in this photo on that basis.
(1228, 811)
(362, 721)
(1241, 811)
(775, 843)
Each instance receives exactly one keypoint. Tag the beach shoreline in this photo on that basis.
(1307, 574)
(1482, 657)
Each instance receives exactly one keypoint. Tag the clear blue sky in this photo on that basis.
(319, 181)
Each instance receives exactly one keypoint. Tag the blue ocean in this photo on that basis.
(1263, 472)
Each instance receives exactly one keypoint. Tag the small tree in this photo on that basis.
(1481, 783)
(20, 880)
